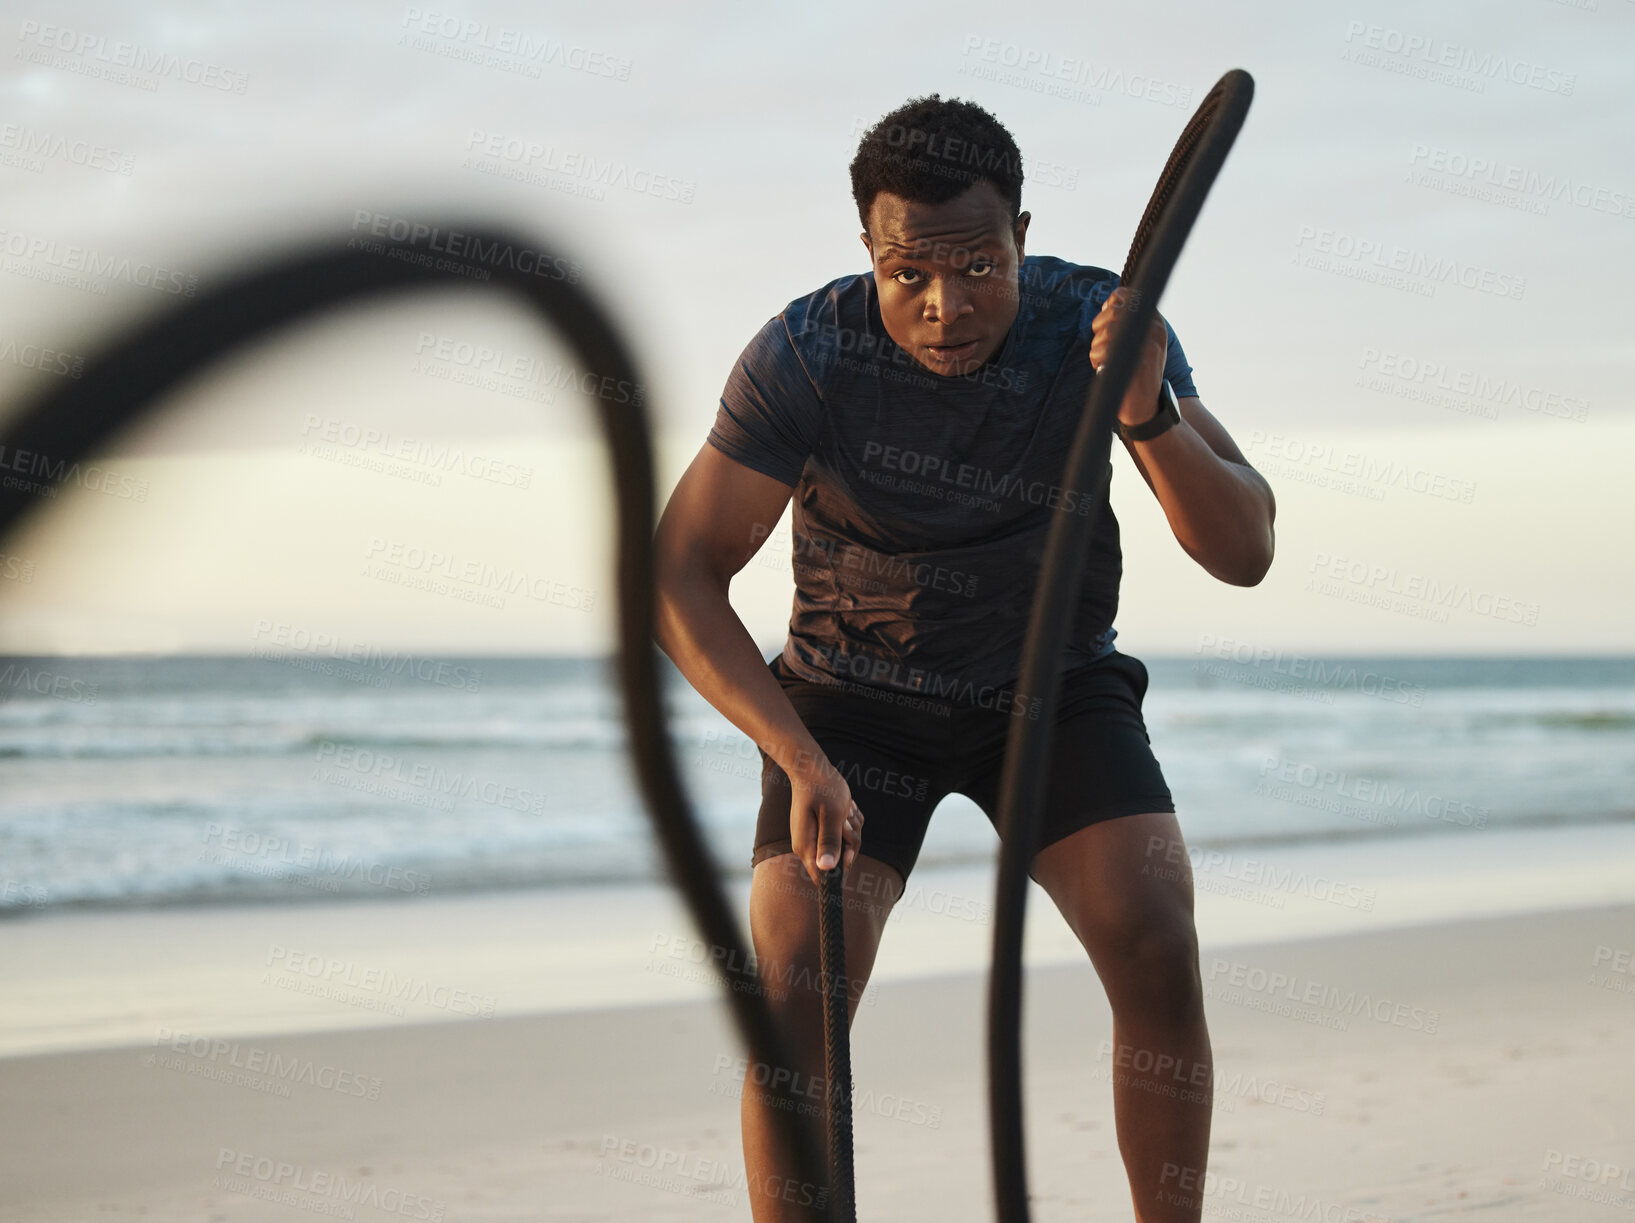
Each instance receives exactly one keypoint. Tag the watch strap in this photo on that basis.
(1168, 414)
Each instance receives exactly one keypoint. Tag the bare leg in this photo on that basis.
(1125, 887)
(783, 923)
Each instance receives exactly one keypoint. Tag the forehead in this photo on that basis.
(901, 228)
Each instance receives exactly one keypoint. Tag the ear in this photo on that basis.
(1021, 231)
(867, 245)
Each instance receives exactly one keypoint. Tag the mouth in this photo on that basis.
(949, 354)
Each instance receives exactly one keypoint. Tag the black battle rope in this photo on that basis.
(837, 1045)
(126, 379)
(1168, 220)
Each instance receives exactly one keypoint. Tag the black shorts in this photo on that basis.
(901, 754)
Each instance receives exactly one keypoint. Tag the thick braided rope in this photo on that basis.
(837, 1045)
(1169, 217)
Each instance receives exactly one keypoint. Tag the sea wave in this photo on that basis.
(131, 741)
(220, 782)
(317, 877)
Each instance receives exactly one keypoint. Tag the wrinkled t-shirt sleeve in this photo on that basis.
(770, 416)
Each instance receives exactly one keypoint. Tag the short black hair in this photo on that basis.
(930, 151)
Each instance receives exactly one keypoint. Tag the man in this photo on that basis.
(920, 417)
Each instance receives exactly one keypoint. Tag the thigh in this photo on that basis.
(1116, 879)
(1124, 886)
(1102, 765)
(783, 924)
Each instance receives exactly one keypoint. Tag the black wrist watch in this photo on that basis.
(1169, 413)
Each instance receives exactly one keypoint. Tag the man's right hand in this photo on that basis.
(823, 820)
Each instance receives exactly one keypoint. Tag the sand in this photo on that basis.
(1482, 1067)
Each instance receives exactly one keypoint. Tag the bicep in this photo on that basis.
(718, 516)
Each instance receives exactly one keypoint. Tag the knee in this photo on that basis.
(782, 911)
(787, 970)
(1156, 960)
(784, 928)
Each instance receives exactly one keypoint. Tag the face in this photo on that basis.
(946, 275)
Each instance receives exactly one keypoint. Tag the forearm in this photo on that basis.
(1221, 511)
(700, 632)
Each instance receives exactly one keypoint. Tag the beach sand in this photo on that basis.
(1476, 1067)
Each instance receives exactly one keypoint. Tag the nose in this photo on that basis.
(946, 302)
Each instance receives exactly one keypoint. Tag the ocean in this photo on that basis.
(142, 782)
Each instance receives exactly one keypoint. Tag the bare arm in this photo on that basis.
(1220, 508)
(715, 521)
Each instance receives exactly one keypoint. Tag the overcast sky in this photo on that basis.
(1407, 298)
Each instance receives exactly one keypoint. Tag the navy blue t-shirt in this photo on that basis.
(922, 501)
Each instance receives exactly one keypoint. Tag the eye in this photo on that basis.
(980, 269)
(901, 272)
